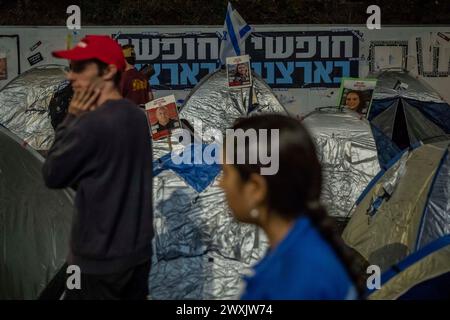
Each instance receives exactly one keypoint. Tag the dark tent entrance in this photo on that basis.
(407, 122)
(34, 222)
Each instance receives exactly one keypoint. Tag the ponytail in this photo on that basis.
(328, 230)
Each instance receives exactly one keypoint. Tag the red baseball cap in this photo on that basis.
(98, 47)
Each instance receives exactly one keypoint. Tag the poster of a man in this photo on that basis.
(3, 67)
(163, 116)
(356, 94)
(239, 72)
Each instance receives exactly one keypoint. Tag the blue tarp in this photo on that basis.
(198, 175)
(438, 113)
(437, 209)
(386, 148)
(378, 106)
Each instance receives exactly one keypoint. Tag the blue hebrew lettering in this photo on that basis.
(286, 72)
(321, 72)
(189, 74)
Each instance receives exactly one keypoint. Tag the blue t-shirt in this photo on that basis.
(302, 266)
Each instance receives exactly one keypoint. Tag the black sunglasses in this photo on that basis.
(79, 66)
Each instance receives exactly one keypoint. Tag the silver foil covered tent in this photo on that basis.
(34, 222)
(347, 150)
(24, 104)
(200, 251)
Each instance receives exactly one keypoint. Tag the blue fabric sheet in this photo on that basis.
(199, 176)
(386, 148)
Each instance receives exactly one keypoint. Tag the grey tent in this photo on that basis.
(402, 224)
(25, 104)
(201, 252)
(408, 111)
(34, 222)
(350, 154)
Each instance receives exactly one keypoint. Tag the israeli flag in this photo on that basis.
(235, 31)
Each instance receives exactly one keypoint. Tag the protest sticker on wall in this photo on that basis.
(35, 58)
(35, 46)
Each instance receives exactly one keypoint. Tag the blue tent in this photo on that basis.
(408, 111)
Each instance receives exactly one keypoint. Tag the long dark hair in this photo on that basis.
(295, 189)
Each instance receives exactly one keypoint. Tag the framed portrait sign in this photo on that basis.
(239, 72)
(356, 94)
(163, 116)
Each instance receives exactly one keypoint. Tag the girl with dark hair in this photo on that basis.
(354, 101)
(307, 258)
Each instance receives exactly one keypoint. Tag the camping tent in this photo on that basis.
(34, 222)
(351, 155)
(402, 223)
(408, 111)
(200, 250)
(25, 104)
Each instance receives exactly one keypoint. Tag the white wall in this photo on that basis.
(297, 100)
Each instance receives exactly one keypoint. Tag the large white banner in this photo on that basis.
(303, 64)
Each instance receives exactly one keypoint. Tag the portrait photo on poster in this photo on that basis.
(356, 94)
(163, 116)
(239, 72)
(3, 67)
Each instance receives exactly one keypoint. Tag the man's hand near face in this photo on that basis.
(85, 100)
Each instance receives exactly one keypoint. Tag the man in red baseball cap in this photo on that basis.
(103, 148)
(94, 62)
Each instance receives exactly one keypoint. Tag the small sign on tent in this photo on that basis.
(239, 72)
(356, 94)
(163, 116)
